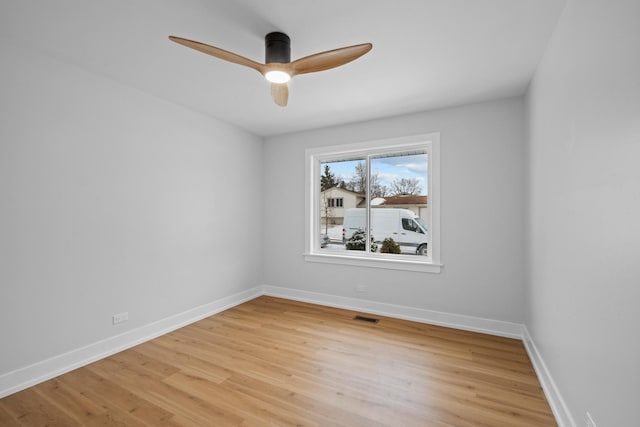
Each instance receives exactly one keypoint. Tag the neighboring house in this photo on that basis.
(333, 203)
(416, 204)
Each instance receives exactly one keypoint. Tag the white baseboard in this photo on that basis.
(458, 321)
(28, 376)
(556, 402)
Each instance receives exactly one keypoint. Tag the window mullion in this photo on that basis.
(368, 203)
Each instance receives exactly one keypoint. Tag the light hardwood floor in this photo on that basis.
(274, 362)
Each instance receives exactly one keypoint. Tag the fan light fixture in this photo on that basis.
(278, 68)
(277, 76)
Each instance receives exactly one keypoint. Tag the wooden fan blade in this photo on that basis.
(219, 53)
(329, 59)
(280, 93)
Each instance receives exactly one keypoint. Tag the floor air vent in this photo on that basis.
(366, 319)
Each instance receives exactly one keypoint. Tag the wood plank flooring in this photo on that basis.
(275, 362)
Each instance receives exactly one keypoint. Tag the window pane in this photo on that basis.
(399, 194)
(341, 189)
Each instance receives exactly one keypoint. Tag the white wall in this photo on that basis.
(110, 201)
(483, 183)
(584, 225)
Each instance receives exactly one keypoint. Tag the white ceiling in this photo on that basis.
(426, 53)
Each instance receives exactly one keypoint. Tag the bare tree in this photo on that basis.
(358, 182)
(406, 186)
(377, 189)
(327, 209)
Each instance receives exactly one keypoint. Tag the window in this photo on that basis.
(335, 202)
(411, 225)
(375, 204)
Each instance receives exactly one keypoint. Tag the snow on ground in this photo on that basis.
(334, 232)
(335, 237)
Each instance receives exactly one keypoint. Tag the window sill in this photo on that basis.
(375, 262)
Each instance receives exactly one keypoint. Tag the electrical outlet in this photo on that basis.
(121, 317)
(361, 288)
(590, 422)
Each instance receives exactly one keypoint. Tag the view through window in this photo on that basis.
(383, 203)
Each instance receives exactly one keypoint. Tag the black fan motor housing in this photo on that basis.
(277, 48)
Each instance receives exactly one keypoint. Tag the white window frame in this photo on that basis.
(315, 156)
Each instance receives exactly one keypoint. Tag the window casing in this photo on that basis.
(368, 152)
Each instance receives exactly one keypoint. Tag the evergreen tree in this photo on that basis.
(327, 179)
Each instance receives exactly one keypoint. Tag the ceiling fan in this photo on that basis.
(278, 68)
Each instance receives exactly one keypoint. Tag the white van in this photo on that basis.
(402, 225)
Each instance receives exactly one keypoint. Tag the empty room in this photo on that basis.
(330, 213)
